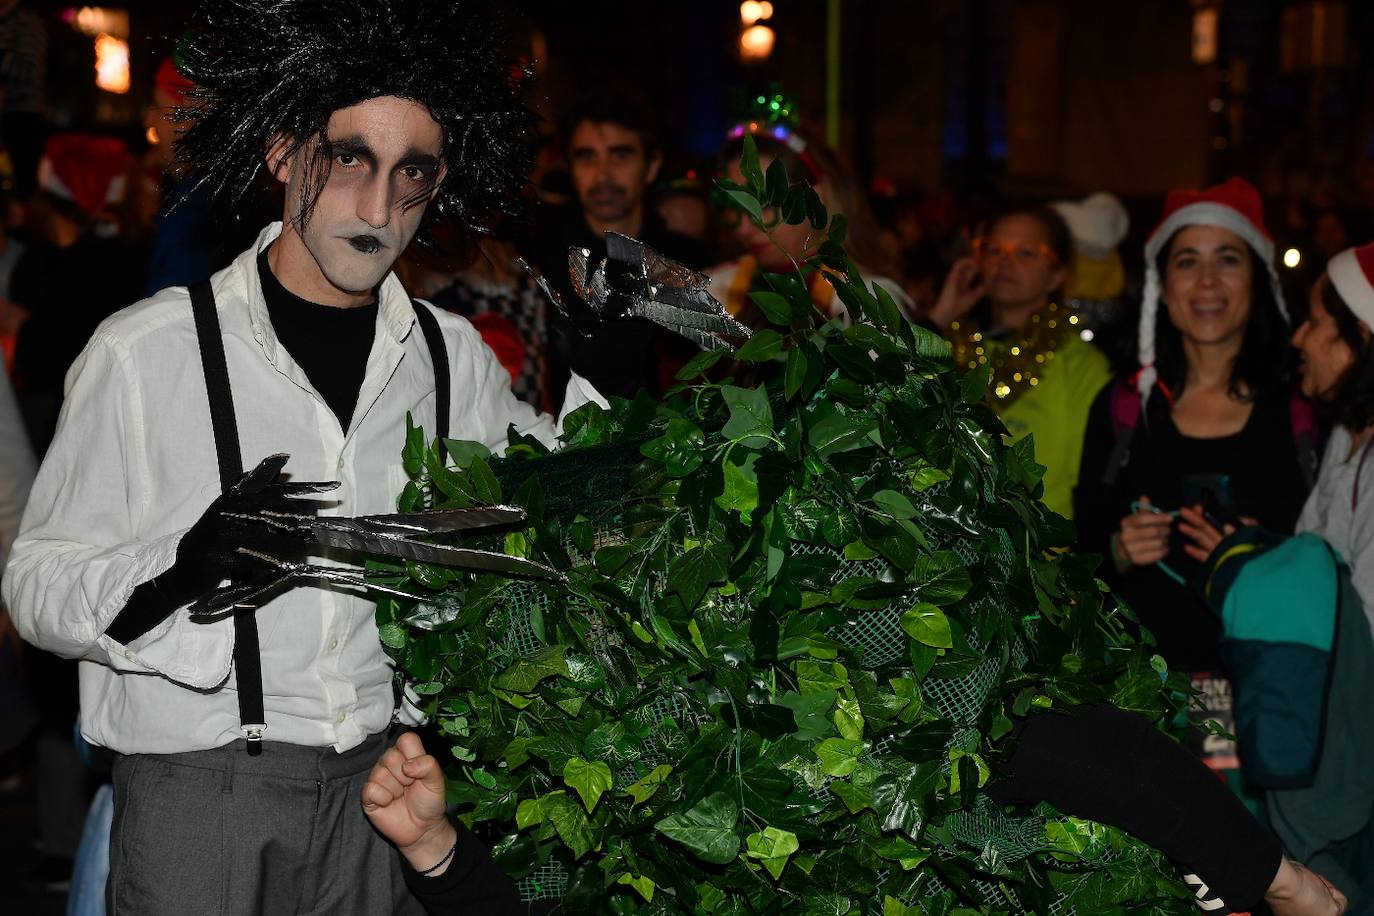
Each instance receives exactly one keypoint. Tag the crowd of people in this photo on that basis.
(1178, 410)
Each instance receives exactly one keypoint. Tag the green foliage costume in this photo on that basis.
(795, 623)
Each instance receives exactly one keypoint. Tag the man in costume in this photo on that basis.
(243, 742)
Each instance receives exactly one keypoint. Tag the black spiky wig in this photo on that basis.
(268, 69)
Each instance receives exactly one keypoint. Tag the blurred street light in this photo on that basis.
(756, 43)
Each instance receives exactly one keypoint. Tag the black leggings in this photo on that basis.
(1114, 767)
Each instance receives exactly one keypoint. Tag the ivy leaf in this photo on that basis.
(902, 799)
(393, 636)
(774, 306)
(591, 780)
(741, 492)
(646, 787)
(461, 451)
(762, 346)
(773, 846)
(679, 449)
(975, 383)
(707, 828)
(928, 625)
(695, 571)
(836, 433)
(941, 578)
(809, 712)
(642, 885)
(569, 821)
(849, 720)
(522, 676)
(528, 813)
(839, 756)
(751, 418)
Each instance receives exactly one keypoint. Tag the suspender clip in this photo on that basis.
(252, 733)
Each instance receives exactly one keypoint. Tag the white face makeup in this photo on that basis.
(385, 163)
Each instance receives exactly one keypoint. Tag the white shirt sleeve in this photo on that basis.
(17, 466)
(497, 406)
(79, 556)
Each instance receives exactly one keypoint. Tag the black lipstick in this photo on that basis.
(367, 244)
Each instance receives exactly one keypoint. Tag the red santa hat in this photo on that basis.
(1352, 273)
(90, 171)
(170, 81)
(1234, 205)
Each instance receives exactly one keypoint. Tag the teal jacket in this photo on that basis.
(1297, 646)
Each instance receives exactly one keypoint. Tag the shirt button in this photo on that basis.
(340, 718)
(333, 644)
(129, 654)
(341, 463)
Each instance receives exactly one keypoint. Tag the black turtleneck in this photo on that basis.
(330, 344)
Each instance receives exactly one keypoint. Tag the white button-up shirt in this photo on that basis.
(133, 466)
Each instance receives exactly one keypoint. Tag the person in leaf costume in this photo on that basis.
(818, 650)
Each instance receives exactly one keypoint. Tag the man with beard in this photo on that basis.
(242, 743)
(613, 157)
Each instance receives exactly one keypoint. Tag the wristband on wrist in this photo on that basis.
(444, 861)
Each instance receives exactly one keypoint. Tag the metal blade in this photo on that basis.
(441, 554)
(435, 522)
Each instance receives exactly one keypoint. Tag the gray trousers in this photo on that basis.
(222, 833)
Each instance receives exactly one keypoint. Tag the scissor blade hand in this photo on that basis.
(440, 554)
(435, 522)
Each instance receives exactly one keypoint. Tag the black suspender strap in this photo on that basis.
(438, 354)
(247, 657)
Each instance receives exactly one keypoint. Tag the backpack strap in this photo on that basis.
(443, 385)
(247, 654)
(1125, 417)
(1304, 423)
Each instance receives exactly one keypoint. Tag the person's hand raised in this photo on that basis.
(404, 800)
(964, 286)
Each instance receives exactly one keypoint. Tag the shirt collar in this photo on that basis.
(397, 312)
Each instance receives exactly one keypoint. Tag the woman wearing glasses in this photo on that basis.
(1208, 428)
(998, 308)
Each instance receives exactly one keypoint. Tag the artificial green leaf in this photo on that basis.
(699, 364)
(774, 306)
(928, 625)
(839, 756)
(794, 375)
(528, 813)
(642, 885)
(751, 419)
(591, 780)
(894, 504)
(393, 636)
(741, 492)
(679, 449)
(941, 578)
(773, 846)
(484, 483)
(747, 202)
(707, 829)
(775, 181)
(849, 720)
(461, 451)
(749, 166)
(570, 822)
(645, 788)
(522, 676)
(761, 346)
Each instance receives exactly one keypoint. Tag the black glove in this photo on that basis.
(257, 515)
